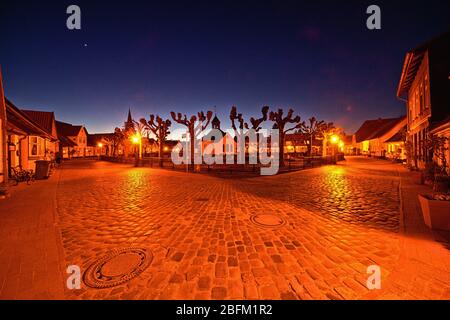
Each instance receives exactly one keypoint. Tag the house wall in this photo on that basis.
(419, 114)
(34, 148)
(14, 155)
(223, 145)
(82, 149)
(395, 150)
(2, 144)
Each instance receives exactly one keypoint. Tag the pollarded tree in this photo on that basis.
(160, 128)
(281, 123)
(439, 149)
(236, 117)
(313, 129)
(239, 126)
(117, 139)
(195, 125)
(256, 123)
(140, 130)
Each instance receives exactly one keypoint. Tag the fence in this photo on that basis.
(291, 164)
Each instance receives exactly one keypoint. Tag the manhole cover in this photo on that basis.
(117, 267)
(267, 220)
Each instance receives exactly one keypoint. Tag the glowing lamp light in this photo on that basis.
(100, 145)
(341, 145)
(135, 139)
(334, 139)
(165, 148)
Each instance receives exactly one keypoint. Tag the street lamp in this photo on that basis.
(136, 139)
(334, 139)
(100, 146)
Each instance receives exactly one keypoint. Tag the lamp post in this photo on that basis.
(136, 139)
(100, 145)
(335, 141)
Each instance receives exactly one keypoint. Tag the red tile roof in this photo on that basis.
(66, 142)
(67, 130)
(372, 129)
(95, 138)
(399, 136)
(19, 122)
(43, 118)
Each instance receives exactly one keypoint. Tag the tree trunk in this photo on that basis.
(281, 149)
(192, 136)
(161, 146)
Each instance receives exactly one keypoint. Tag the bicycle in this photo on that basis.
(21, 175)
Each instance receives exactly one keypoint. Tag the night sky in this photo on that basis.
(317, 57)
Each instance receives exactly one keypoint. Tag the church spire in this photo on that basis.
(129, 124)
(129, 119)
(215, 122)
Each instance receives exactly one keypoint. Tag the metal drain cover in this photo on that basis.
(117, 267)
(267, 220)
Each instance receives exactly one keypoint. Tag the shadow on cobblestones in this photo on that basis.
(204, 244)
(336, 192)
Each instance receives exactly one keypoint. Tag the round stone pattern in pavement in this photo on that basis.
(117, 267)
(267, 220)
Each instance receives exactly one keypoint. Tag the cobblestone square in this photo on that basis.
(303, 235)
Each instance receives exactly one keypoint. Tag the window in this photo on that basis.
(81, 140)
(421, 100)
(36, 146)
(416, 105)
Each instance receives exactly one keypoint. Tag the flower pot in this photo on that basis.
(436, 213)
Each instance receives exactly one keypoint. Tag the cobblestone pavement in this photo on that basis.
(338, 221)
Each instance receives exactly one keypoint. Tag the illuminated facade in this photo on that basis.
(424, 86)
(382, 138)
(73, 140)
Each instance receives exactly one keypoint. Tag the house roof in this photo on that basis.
(18, 122)
(43, 118)
(412, 63)
(66, 142)
(301, 139)
(348, 139)
(95, 138)
(67, 129)
(372, 129)
(436, 127)
(167, 143)
(399, 136)
(171, 143)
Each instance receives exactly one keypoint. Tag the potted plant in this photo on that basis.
(436, 211)
(436, 207)
(427, 176)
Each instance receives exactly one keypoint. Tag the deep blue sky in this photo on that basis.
(155, 56)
